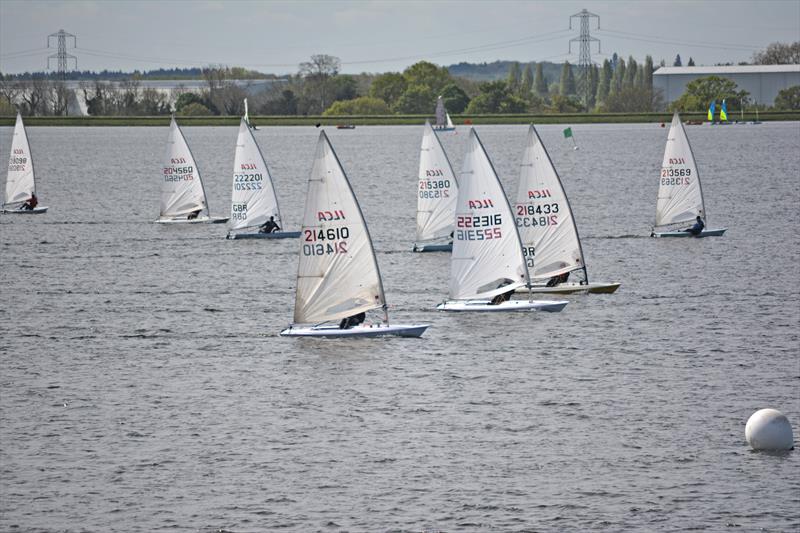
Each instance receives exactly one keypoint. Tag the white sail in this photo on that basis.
(337, 275)
(182, 188)
(450, 124)
(680, 198)
(253, 199)
(487, 257)
(20, 183)
(437, 190)
(546, 226)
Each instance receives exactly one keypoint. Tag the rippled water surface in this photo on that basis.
(143, 386)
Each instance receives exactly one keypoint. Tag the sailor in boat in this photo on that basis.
(697, 228)
(352, 321)
(270, 226)
(558, 280)
(193, 214)
(30, 204)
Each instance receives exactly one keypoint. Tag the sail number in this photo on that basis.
(178, 173)
(247, 182)
(16, 163)
(485, 227)
(675, 176)
(526, 215)
(543, 209)
(335, 237)
(239, 212)
(434, 188)
(528, 252)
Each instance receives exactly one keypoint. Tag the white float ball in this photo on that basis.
(769, 429)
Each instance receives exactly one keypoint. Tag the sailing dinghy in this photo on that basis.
(183, 198)
(253, 200)
(436, 196)
(680, 196)
(20, 182)
(337, 275)
(487, 260)
(550, 241)
(443, 122)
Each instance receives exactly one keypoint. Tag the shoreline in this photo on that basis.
(390, 120)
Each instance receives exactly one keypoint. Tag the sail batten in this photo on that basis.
(680, 196)
(253, 198)
(182, 189)
(437, 190)
(485, 232)
(544, 216)
(337, 273)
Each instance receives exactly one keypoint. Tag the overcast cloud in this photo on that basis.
(382, 36)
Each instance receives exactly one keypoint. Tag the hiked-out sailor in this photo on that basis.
(557, 280)
(270, 226)
(697, 229)
(500, 298)
(352, 321)
(193, 215)
(30, 203)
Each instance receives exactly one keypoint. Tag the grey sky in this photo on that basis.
(382, 36)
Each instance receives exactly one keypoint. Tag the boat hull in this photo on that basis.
(198, 220)
(443, 128)
(704, 233)
(377, 330)
(551, 306)
(34, 211)
(574, 288)
(431, 247)
(275, 235)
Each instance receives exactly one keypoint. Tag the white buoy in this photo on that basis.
(769, 429)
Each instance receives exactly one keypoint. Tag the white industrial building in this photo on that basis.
(763, 82)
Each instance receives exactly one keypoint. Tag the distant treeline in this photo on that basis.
(119, 75)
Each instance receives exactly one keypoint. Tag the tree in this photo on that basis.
(648, 72)
(691, 62)
(565, 104)
(428, 75)
(316, 75)
(618, 78)
(526, 86)
(454, 98)
(604, 82)
(195, 109)
(539, 81)
(701, 91)
(514, 77)
(364, 105)
(630, 73)
(496, 97)
(788, 98)
(417, 99)
(634, 100)
(284, 104)
(343, 87)
(779, 54)
(567, 84)
(388, 87)
(677, 62)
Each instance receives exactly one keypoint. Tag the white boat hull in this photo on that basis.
(573, 288)
(704, 233)
(198, 220)
(34, 211)
(377, 330)
(275, 235)
(552, 306)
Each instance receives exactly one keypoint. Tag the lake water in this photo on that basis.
(143, 386)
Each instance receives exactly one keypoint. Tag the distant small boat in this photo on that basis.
(253, 199)
(20, 182)
(345, 127)
(183, 198)
(680, 197)
(443, 122)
